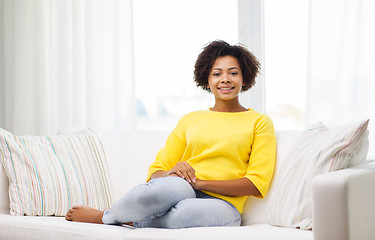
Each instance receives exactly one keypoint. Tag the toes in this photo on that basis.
(68, 215)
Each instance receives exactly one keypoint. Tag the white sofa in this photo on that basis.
(343, 201)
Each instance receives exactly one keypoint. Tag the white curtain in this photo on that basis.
(341, 83)
(66, 63)
(320, 63)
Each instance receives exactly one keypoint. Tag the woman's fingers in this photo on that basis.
(185, 171)
(180, 174)
(190, 174)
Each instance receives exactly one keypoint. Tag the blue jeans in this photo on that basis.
(171, 202)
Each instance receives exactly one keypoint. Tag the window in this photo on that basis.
(286, 32)
(168, 36)
(319, 57)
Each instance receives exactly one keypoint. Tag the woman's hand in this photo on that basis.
(183, 170)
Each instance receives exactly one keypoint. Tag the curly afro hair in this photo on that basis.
(248, 62)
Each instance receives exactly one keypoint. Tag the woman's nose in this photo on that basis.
(225, 80)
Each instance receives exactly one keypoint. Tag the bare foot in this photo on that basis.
(84, 214)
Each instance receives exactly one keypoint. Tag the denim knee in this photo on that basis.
(149, 200)
(168, 187)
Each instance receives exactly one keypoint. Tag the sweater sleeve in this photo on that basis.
(172, 152)
(263, 156)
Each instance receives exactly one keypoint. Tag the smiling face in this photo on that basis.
(225, 79)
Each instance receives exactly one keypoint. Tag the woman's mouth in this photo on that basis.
(225, 88)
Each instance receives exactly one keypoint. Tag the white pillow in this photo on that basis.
(318, 150)
(49, 174)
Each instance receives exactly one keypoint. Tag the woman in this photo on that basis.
(212, 160)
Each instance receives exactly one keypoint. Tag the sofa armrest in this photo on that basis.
(344, 204)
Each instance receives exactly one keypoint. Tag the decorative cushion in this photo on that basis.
(318, 150)
(49, 174)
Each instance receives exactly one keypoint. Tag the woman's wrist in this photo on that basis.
(199, 184)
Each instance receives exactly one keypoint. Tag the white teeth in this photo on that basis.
(225, 88)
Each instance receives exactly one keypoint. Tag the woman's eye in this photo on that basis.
(234, 73)
(216, 74)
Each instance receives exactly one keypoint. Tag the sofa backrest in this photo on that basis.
(257, 210)
(129, 155)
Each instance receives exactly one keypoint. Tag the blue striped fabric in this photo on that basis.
(49, 174)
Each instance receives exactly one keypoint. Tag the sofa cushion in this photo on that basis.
(318, 150)
(255, 231)
(46, 228)
(49, 174)
(56, 228)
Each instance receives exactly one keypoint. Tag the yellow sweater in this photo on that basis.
(223, 146)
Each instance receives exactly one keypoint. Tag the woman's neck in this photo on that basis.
(228, 107)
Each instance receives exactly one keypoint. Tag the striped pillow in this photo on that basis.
(49, 174)
(318, 150)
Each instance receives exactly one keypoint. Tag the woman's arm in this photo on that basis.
(234, 188)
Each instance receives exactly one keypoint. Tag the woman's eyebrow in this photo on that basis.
(231, 68)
